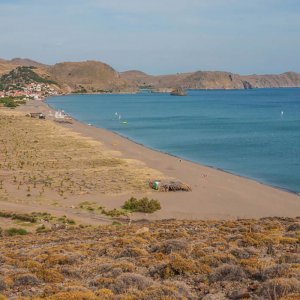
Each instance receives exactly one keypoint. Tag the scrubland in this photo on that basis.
(241, 259)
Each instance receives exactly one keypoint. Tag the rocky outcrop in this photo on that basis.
(178, 92)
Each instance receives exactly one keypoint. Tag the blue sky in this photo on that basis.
(157, 36)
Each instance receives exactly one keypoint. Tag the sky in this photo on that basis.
(156, 36)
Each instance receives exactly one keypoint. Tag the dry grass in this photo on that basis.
(170, 260)
(39, 159)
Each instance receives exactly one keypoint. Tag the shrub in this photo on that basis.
(113, 213)
(8, 102)
(27, 279)
(290, 258)
(173, 245)
(227, 273)
(142, 205)
(65, 220)
(24, 217)
(176, 266)
(74, 295)
(105, 294)
(132, 252)
(131, 280)
(280, 270)
(50, 275)
(276, 288)
(4, 214)
(183, 290)
(240, 253)
(15, 231)
(2, 285)
(293, 227)
(169, 290)
(180, 265)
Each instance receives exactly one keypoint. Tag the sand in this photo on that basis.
(215, 194)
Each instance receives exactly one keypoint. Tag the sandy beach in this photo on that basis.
(215, 194)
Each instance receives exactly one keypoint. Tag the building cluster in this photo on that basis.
(36, 91)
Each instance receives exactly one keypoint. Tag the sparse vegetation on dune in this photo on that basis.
(242, 259)
(39, 157)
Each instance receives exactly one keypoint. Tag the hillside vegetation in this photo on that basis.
(21, 76)
(242, 259)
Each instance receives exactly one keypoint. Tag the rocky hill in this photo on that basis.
(212, 80)
(89, 76)
(21, 76)
(95, 76)
(80, 77)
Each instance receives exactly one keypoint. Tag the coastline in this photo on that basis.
(197, 163)
(176, 156)
(216, 194)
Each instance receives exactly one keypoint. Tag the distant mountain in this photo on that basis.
(8, 65)
(212, 80)
(96, 76)
(26, 62)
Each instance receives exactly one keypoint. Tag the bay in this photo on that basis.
(253, 133)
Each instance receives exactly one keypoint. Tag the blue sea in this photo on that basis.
(252, 133)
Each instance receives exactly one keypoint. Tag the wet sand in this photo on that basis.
(215, 193)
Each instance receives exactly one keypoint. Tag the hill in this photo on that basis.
(96, 76)
(89, 76)
(82, 77)
(8, 65)
(25, 62)
(21, 76)
(212, 80)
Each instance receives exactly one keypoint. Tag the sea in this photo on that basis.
(252, 133)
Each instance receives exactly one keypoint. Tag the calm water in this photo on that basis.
(254, 133)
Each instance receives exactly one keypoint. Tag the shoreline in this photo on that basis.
(173, 155)
(216, 194)
(194, 162)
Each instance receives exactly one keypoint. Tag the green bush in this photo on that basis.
(8, 102)
(15, 231)
(142, 205)
(113, 213)
(22, 217)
